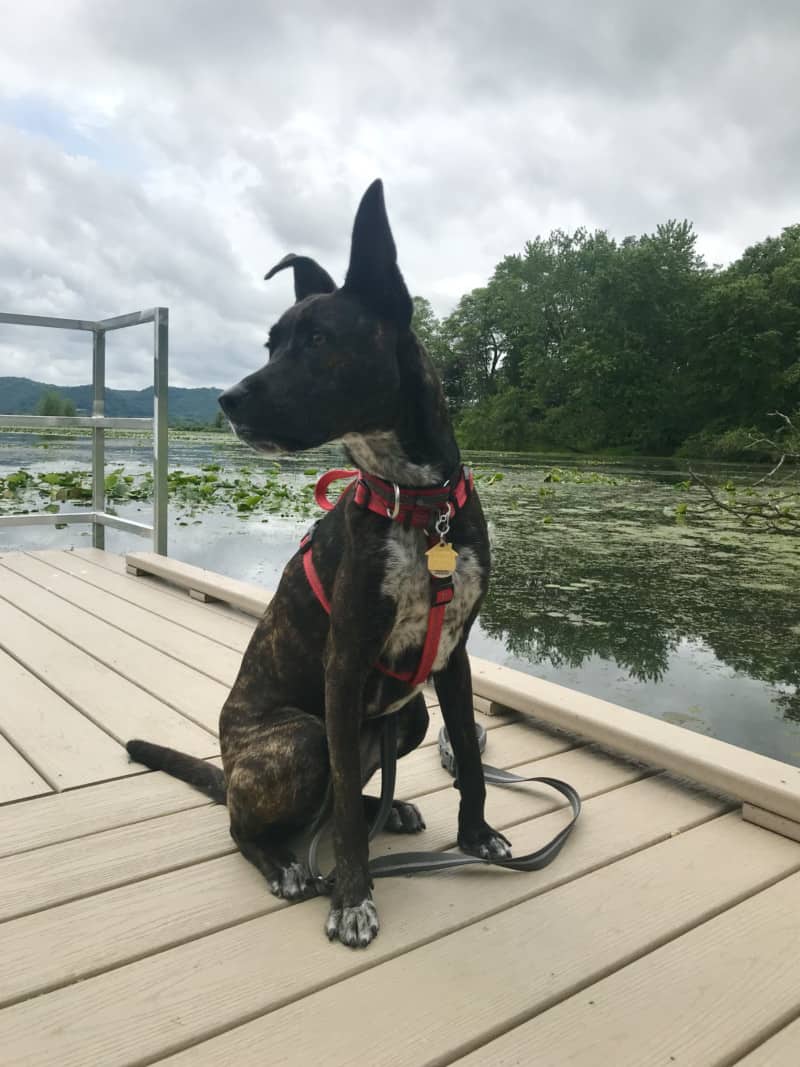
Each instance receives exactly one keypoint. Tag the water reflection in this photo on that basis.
(598, 572)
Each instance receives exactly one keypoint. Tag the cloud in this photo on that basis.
(170, 153)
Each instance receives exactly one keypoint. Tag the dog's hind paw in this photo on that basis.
(404, 818)
(356, 926)
(293, 883)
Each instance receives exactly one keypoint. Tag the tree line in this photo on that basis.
(585, 343)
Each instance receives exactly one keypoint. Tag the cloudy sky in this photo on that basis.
(170, 151)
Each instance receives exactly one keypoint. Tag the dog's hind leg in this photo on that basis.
(412, 725)
(276, 787)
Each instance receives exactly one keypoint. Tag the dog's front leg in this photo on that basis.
(454, 689)
(353, 918)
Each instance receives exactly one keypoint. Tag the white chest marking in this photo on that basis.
(407, 582)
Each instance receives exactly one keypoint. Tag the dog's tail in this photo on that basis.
(197, 772)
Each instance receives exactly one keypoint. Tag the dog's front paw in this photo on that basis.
(485, 842)
(294, 882)
(353, 926)
(404, 818)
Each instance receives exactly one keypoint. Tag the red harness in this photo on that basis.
(413, 507)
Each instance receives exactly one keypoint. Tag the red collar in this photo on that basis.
(410, 506)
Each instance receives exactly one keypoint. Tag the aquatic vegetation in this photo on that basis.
(575, 476)
(244, 491)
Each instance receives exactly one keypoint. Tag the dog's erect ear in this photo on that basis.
(309, 277)
(373, 275)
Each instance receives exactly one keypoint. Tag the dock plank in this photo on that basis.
(17, 778)
(749, 777)
(780, 1050)
(196, 695)
(742, 980)
(116, 564)
(41, 951)
(163, 1002)
(45, 877)
(51, 819)
(186, 646)
(201, 618)
(64, 746)
(246, 596)
(467, 987)
(122, 708)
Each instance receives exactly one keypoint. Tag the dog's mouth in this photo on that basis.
(261, 444)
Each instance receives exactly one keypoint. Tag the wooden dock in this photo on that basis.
(666, 932)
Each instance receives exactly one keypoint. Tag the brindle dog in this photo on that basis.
(305, 709)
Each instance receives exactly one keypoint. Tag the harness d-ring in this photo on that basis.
(396, 509)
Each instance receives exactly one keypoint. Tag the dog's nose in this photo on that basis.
(231, 399)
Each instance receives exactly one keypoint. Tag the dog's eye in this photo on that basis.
(317, 339)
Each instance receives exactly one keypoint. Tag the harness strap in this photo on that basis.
(311, 574)
(441, 595)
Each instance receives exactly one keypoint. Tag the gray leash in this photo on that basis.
(423, 862)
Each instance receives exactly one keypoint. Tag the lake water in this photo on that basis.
(597, 584)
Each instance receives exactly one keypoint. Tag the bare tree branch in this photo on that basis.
(768, 510)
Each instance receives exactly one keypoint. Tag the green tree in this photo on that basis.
(52, 402)
(584, 342)
(749, 356)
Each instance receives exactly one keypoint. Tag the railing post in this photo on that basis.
(160, 438)
(98, 436)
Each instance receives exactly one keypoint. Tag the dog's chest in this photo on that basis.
(407, 582)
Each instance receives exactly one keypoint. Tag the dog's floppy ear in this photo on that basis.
(373, 275)
(309, 277)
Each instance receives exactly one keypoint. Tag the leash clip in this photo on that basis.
(443, 525)
(396, 510)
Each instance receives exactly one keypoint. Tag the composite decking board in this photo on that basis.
(467, 987)
(185, 646)
(110, 561)
(779, 1050)
(701, 1001)
(41, 951)
(244, 595)
(49, 820)
(72, 941)
(747, 776)
(163, 1002)
(17, 778)
(119, 706)
(195, 695)
(65, 747)
(45, 877)
(235, 633)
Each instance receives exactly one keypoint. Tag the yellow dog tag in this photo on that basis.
(441, 559)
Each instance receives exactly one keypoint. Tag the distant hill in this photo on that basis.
(20, 396)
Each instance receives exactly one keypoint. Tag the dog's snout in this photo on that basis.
(231, 400)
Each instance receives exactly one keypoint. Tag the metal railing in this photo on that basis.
(98, 422)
